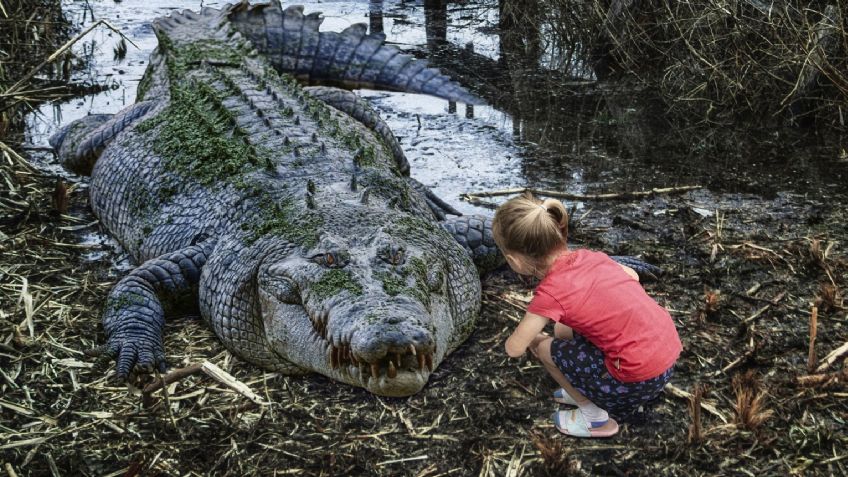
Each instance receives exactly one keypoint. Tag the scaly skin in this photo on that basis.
(235, 188)
(288, 217)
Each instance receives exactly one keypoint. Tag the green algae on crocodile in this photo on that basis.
(396, 282)
(334, 282)
(273, 203)
(284, 220)
(199, 140)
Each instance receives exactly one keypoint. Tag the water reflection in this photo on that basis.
(611, 136)
(550, 123)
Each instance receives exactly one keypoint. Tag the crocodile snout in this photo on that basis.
(390, 350)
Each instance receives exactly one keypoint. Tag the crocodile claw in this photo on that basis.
(139, 355)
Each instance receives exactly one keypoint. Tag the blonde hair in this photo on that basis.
(530, 226)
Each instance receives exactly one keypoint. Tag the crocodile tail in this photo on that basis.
(352, 58)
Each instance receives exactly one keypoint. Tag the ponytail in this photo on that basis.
(530, 226)
(557, 211)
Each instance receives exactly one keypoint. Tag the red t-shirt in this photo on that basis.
(593, 295)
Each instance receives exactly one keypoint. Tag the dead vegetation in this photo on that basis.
(750, 412)
(482, 414)
(29, 32)
(766, 412)
(719, 63)
(719, 68)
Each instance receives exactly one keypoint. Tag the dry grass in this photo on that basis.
(556, 460)
(828, 298)
(750, 409)
(696, 428)
(722, 62)
(718, 67)
(29, 31)
(481, 413)
(710, 305)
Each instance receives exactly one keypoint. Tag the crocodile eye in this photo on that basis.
(332, 259)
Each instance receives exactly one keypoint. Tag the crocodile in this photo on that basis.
(252, 186)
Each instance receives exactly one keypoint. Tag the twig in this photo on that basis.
(823, 379)
(763, 309)
(16, 157)
(210, 370)
(398, 461)
(25, 79)
(168, 407)
(567, 195)
(677, 392)
(696, 431)
(171, 377)
(10, 471)
(833, 357)
(228, 380)
(752, 349)
(814, 324)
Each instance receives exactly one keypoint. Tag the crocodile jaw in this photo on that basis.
(399, 366)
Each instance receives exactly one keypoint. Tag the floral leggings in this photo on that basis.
(582, 363)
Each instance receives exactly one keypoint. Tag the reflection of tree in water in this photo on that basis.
(570, 121)
(375, 16)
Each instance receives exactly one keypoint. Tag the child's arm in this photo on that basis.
(524, 334)
(563, 332)
(630, 272)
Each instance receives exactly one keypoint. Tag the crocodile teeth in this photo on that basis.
(412, 350)
(375, 370)
(392, 371)
(421, 360)
(397, 359)
(430, 362)
(334, 357)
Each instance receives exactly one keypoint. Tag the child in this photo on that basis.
(613, 347)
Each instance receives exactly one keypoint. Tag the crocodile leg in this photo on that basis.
(474, 233)
(135, 310)
(436, 204)
(646, 271)
(80, 143)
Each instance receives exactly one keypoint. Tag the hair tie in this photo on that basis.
(543, 207)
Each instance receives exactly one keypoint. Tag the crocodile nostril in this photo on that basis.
(394, 320)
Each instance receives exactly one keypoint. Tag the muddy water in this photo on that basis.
(448, 151)
(546, 129)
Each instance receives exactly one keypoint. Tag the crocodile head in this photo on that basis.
(377, 302)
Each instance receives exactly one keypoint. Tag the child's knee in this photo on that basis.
(543, 351)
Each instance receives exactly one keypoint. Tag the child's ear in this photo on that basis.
(516, 263)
